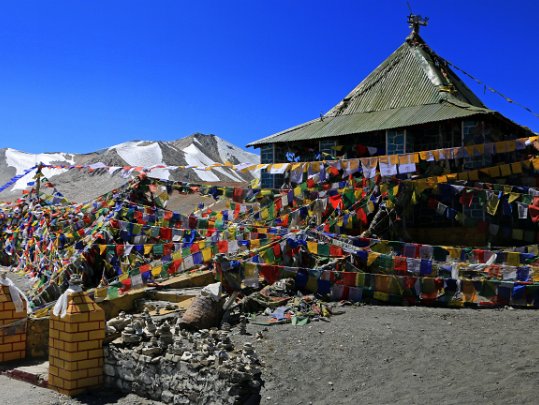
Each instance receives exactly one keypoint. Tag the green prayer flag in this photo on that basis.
(112, 292)
(157, 249)
(323, 249)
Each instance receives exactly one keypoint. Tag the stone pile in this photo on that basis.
(160, 361)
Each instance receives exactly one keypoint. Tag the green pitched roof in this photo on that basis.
(412, 86)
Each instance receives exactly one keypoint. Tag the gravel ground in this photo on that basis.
(410, 355)
(20, 393)
(377, 355)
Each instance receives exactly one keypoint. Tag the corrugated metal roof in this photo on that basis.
(412, 86)
(362, 122)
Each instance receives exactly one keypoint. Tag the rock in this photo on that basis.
(109, 370)
(203, 313)
(198, 368)
(167, 397)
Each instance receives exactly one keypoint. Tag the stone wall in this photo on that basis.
(37, 338)
(176, 366)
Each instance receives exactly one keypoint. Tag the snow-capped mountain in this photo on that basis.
(193, 150)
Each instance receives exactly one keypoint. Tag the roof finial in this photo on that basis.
(416, 21)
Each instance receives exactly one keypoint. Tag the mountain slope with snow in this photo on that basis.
(193, 150)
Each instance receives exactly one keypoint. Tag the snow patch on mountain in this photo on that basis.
(195, 157)
(139, 154)
(227, 151)
(22, 161)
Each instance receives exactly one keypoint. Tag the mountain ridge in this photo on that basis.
(193, 150)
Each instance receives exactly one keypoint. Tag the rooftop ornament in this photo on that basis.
(415, 21)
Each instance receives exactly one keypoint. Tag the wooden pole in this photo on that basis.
(38, 180)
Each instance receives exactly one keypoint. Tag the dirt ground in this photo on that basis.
(20, 393)
(379, 355)
(405, 355)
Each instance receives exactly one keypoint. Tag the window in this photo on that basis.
(475, 210)
(473, 133)
(268, 180)
(395, 141)
(427, 137)
(266, 154)
(327, 149)
(271, 154)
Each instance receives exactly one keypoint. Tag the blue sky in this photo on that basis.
(82, 75)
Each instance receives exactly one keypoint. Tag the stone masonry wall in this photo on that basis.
(179, 367)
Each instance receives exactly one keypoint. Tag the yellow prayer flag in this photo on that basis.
(492, 204)
(441, 179)
(100, 292)
(513, 258)
(535, 275)
(147, 249)
(501, 147)
(250, 270)
(513, 197)
(473, 175)
(463, 176)
(156, 271)
(372, 257)
(454, 253)
(206, 254)
(494, 171)
(505, 170)
(381, 296)
(516, 167)
(404, 159)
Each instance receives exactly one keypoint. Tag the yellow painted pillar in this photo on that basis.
(12, 337)
(76, 346)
